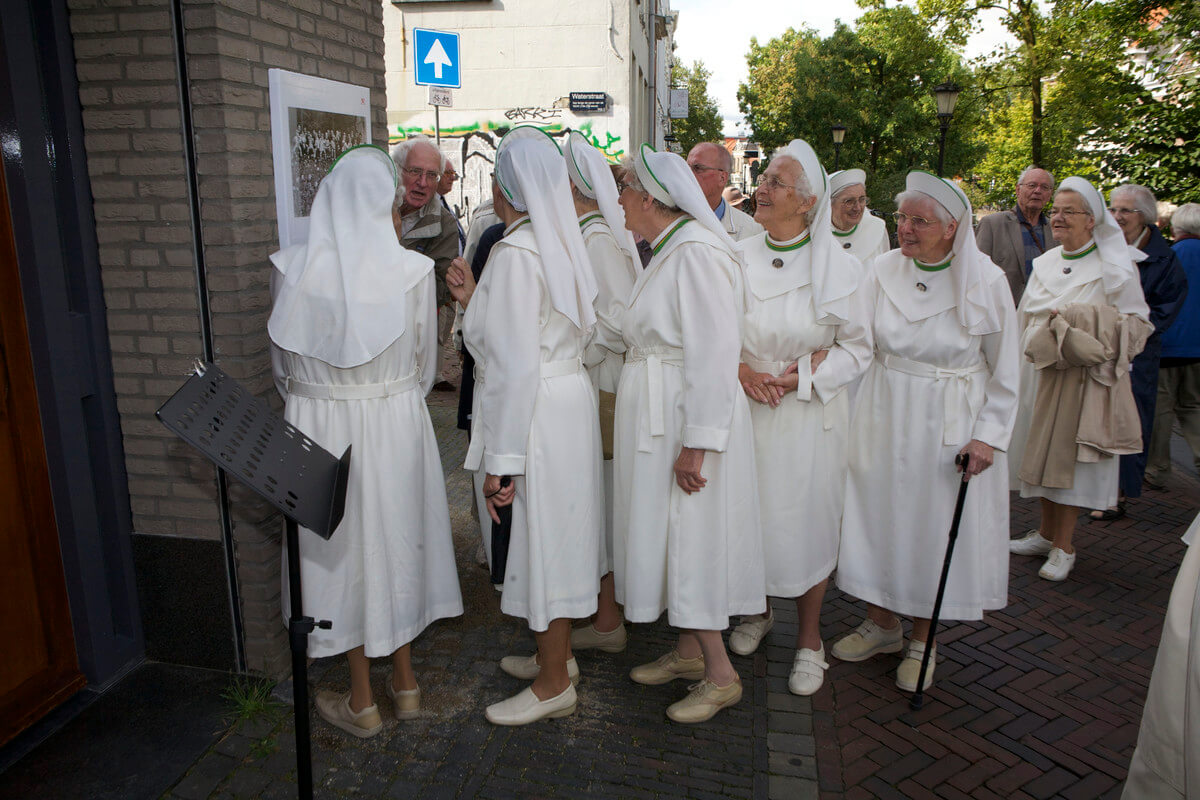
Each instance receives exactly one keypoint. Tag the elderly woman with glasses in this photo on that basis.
(1083, 318)
(686, 535)
(856, 230)
(807, 337)
(943, 383)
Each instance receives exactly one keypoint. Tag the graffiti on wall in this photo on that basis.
(472, 150)
(533, 114)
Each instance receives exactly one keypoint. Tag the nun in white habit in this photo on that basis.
(615, 265)
(943, 382)
(527, 324)
(354, 351)
(807, 337)
(1092, 265)
(855, 229)
(686, 532)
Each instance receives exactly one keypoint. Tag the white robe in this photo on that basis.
(800, 445)
(535, 419)
(1049, 287)
(605, 354)
(388, 571)
(907, 429)
(867, 240)
(697, 556)
(1166, 762)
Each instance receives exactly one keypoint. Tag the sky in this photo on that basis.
(718, 33)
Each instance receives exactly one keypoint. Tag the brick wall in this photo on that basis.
(129, 94)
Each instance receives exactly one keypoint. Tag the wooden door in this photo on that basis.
(38, 668)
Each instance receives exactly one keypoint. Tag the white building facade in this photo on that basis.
(520, 62)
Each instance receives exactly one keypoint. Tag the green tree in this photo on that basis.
(1065, 66)
(703, 123)
(877, 80)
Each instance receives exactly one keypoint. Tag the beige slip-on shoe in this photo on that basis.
(524, 707)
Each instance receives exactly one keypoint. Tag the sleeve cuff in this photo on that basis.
(495, 464)
(714, 439)
(804, 378)
(992, 435)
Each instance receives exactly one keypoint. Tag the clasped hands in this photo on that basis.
(769, 389)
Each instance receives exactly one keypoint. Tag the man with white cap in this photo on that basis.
(943, 383)
(711, 163)
(535, 419)
(859, 232)
(687, 538)
(615, 265)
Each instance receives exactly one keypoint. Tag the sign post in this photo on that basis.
(436, 63)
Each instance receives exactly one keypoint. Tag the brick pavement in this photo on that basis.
(1041, 700)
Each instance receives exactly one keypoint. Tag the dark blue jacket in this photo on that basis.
(1165, 285)
(1182, 339)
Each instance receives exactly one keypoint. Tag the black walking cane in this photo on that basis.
(501, 534)
(918, 697)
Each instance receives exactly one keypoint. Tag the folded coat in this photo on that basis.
(1084, 409)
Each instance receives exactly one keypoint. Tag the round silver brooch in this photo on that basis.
(922, 287)
(1066, 270)
(777, 263)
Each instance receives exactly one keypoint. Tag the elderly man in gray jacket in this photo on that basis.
(1013, 238)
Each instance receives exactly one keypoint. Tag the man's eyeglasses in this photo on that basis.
(1045, 187)
(920, 223)
(417, 172)
(700, 169)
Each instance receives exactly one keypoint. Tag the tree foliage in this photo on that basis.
(877, 80)
(703, 122)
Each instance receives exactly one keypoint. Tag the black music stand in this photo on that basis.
(241, 435)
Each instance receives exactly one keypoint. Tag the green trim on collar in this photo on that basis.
(589, 218)
(1088, 251)
(783, 248)
(933, 268)
(850, 232)
(671, 233)
(512, 228)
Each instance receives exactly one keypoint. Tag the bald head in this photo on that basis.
(711, 164)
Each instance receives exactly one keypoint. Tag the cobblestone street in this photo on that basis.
(1041, 700)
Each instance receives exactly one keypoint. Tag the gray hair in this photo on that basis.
(1186, 219)
(803, 188)
(400, 155)
(940, 211)
(634, 182)
(1031, 168)
(1143, 201)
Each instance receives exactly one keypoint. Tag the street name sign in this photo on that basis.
(436, 58)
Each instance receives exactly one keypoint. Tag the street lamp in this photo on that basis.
(839, 134)
(946, 95)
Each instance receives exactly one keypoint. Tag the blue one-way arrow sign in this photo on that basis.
(436, 58)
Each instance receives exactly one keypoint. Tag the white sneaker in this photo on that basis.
(808, 671)
(1057, 566)
(745, 638)
(1031, 544)
(867, 640)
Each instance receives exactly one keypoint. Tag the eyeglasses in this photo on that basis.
(851, 202)
(700, 169)
(920, 223)
(773, 184)
(1066, 212)
(1120, 212)
(417, 172)
(1045, 187)
(622, 186)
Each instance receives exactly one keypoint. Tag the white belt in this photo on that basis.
(654, 356)
(352, 391)
(955, 400)
(548, 369)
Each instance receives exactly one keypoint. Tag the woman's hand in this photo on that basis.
(981, 456)
(687, 470)
(758, 386)
(818, 357)
(460, 281)
(496, 496)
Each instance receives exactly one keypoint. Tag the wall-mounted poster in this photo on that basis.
(313, 121)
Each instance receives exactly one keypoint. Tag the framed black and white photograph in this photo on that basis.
(313, 121)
